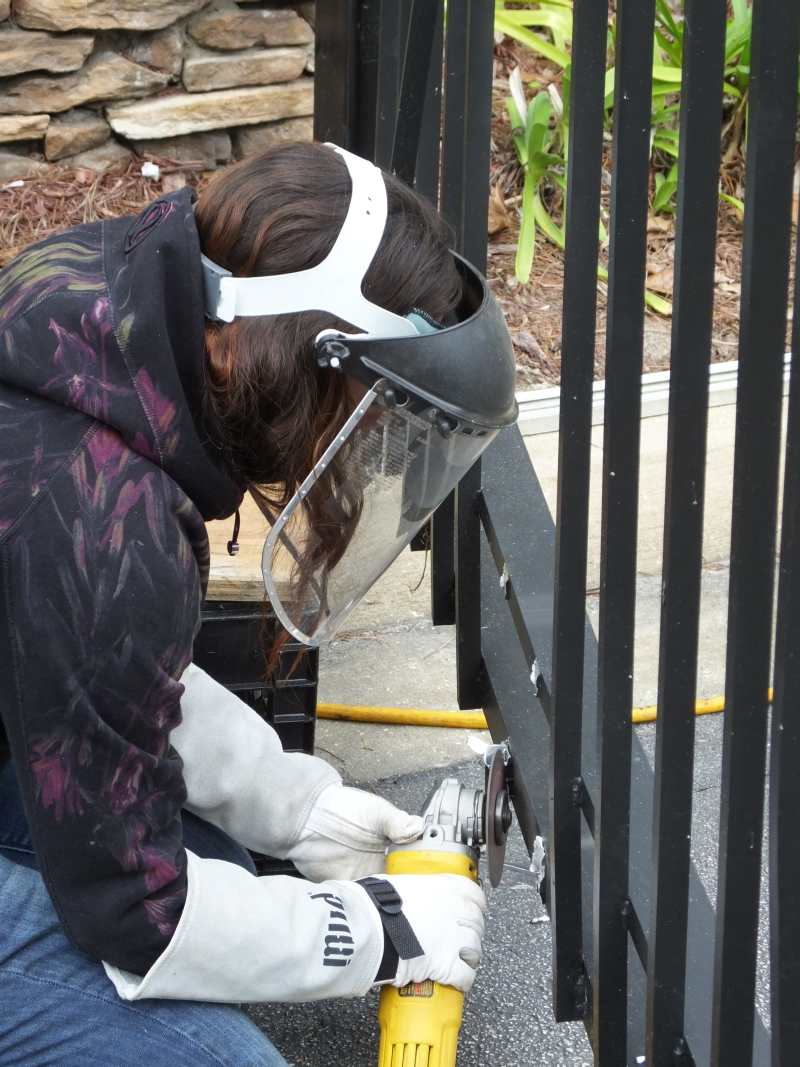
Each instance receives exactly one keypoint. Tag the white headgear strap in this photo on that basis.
(333, 285)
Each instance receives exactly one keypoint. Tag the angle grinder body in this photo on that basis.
(420, 1023)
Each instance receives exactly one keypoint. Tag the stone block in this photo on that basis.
(249, 140)
(204, 70)
(205, 150)
(73, 132)
(5, 9)
(137, 15)
(23, 127)
(162, 50)
(24, 50)
(170, 116)
(106, 76)
(105, 157)
(14, 167)
(226, 26)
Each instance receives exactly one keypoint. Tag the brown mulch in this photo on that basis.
(534, 309)
(32, 209)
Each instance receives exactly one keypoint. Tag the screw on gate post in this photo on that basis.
(681, 1056)
(579, 987)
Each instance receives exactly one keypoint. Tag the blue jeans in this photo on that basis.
(58, 1008)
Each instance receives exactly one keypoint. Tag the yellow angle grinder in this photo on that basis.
(420, 1022)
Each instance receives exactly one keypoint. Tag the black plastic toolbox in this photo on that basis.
(231, 647)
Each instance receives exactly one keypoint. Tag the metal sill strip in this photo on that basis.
(539, 408)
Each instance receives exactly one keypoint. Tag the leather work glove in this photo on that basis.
(347, 833)
(433, 928)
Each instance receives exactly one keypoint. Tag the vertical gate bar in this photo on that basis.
(590, 22)
(784, 780)
(767, 229)
(417, 66)
(470, 684)
(624, 341)
(464, 203)
(443, 563)
(467, 124)
(391, 41)
(426, 179)
(695, 253)
(371, 17)
(336, 80)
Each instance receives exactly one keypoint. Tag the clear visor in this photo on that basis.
(369, 494)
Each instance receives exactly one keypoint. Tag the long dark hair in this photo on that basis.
(271, 408)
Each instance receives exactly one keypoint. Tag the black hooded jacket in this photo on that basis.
(106, 476)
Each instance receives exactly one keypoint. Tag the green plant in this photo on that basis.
(541, 140)
(540, 152)
(545, 27)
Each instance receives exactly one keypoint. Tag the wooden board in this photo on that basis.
(238, 577)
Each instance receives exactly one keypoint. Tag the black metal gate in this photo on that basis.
(639, 954)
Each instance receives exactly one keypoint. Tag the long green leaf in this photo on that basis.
(526, 245)
(666, 187)
(735, 203)
(657, 303)
(547, 224)
(537, 124)
(533, 40)
(664, 14)
(670, 48)
(741, 12)
(517, 130)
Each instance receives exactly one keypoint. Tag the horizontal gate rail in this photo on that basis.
(695, 256)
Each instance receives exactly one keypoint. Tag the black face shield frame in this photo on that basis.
(435, 397)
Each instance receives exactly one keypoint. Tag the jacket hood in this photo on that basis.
(152, 265)
(108, 319)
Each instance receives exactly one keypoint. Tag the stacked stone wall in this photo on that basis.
(90, 83)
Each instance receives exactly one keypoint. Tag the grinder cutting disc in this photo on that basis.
(498, 815)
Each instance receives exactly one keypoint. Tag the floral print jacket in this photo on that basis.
(106, 478)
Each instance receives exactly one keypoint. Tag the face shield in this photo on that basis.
(433, 399)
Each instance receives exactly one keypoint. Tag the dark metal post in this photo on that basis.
(767, 229)
(701, 115)
(464, 203)
(784, 779)
(629, 204)
(574, 443)
(336, 65)
(417, 67)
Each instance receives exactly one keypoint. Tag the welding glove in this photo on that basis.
(285, 804)
(246, 939)
(446, 917)
(347, 833)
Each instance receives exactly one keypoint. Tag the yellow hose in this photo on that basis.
(471, 720)
(467, 720)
